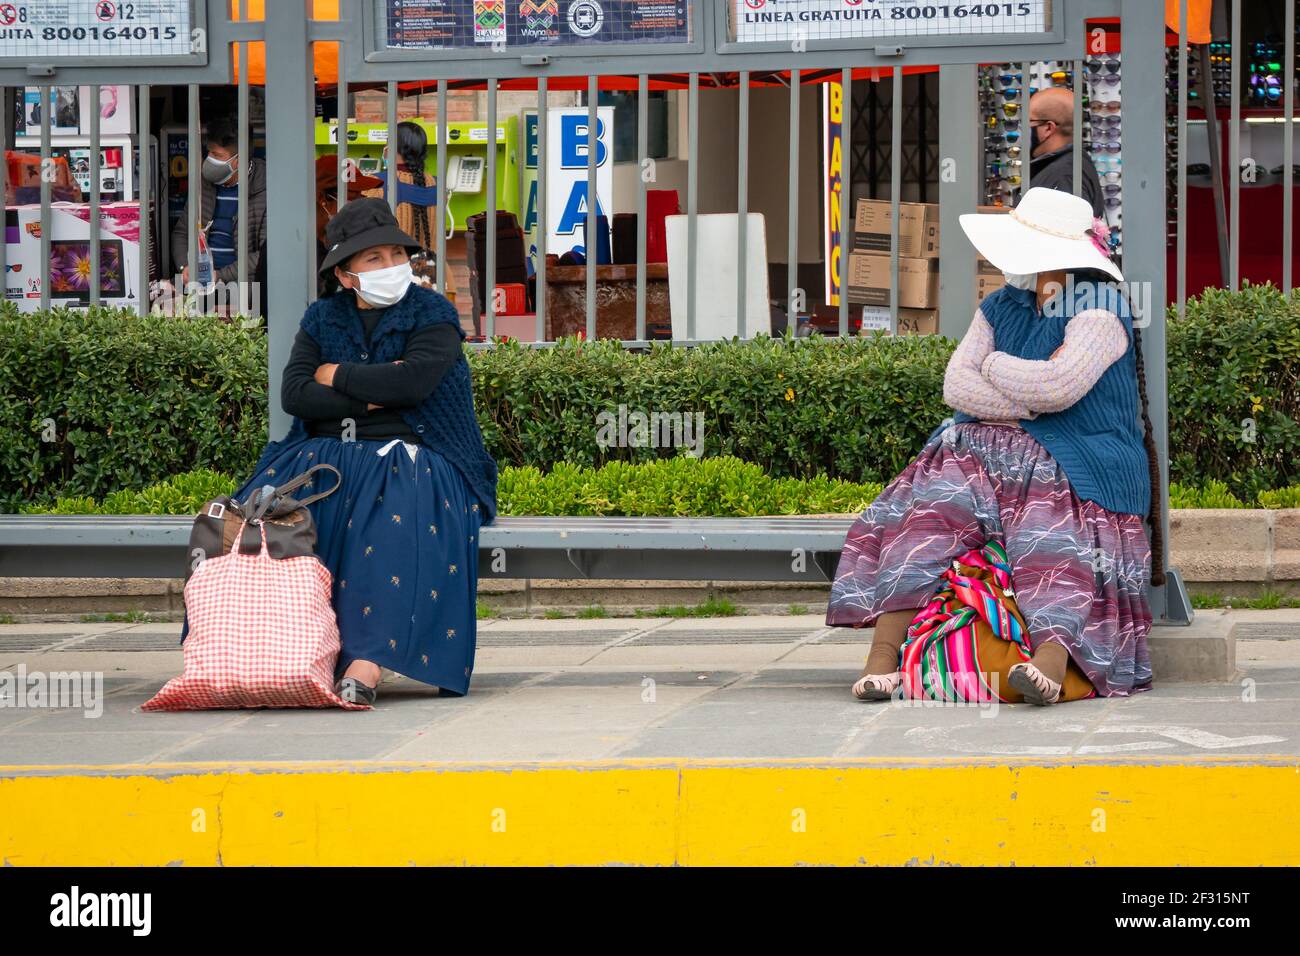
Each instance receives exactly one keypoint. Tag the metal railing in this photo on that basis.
(289, 34)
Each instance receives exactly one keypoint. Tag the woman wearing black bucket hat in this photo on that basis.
(378, 386)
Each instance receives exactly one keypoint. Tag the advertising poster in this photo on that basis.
(95, 28)
(786, 21)
(466, 24)
(833, 168)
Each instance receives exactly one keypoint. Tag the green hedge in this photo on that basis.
(1234, 365)
(134, 400)
(683, 487)
(127, 400)
(674, 487)
(857, 409)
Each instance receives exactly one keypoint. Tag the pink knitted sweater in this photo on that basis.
(997, 387)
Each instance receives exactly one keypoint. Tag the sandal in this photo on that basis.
(355, 692)
(877, 686)
(1035, 686)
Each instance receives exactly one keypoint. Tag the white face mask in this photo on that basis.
(1017, 281)
(381, 287)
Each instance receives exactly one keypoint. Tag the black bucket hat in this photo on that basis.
(360, 224)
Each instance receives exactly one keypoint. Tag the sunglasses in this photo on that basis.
(1110, 79)
(1111, 106)
(1109, 177)
(1006, 79)
(1010, 110)
(1061, 76)
(1104, 122)
(1113, 202)
(1105, 135)
(1110, 189)
(1110, 147)
(1096, 66)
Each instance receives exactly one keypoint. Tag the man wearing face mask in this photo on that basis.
(379, 387)
(1051, 130)
(219, 206)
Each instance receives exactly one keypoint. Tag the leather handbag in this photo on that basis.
(224, 522)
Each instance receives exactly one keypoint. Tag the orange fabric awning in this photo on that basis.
(326, 54)
(1198, 19)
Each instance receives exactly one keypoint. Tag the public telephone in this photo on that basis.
(465, 174)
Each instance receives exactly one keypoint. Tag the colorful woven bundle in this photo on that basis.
(941, 656)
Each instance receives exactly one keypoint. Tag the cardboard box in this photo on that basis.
(918, 228)
(868, 281)
(986, 285)
(910, 321)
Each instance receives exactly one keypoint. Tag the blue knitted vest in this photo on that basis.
(1097, 440)
(445, 421)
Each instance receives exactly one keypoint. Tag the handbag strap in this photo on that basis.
(293, 485)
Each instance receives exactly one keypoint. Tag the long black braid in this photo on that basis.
(1155, 518)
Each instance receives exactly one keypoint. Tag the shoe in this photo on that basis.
(877, 686)
(1035, 686)
(355, 692)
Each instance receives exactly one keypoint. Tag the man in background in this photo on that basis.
(219, 205)
(1051, 138)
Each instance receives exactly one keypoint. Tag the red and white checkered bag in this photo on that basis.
(262, 634)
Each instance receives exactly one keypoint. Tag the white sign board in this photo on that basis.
(566, 175)
(787, 21)
(716, 276)
(96, 28)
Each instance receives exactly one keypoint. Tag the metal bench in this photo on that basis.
(715, 549)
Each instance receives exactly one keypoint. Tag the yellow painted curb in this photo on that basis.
(1218, 812)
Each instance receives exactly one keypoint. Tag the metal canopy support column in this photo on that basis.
(959, 186)
(642, 152)
(1144, 251)
(742, 204)
(1234, 157)
(146, 199)
(540, 330)
(792, 239)
(492, 303)
(590, 245)
(895, 188)
(291, 235)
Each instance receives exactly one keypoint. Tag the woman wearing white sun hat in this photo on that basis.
(1046, 455)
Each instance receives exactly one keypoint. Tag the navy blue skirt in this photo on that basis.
(400, 538)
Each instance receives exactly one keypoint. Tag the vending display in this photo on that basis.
(1006, 130)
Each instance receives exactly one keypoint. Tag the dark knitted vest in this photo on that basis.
(445, 421)
(1098, 440)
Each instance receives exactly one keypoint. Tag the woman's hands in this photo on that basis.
(325, 375)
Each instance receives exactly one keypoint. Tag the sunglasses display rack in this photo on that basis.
(1102, 127)
(1006, 130)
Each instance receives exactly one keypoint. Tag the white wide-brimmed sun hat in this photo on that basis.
(1047, 230)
